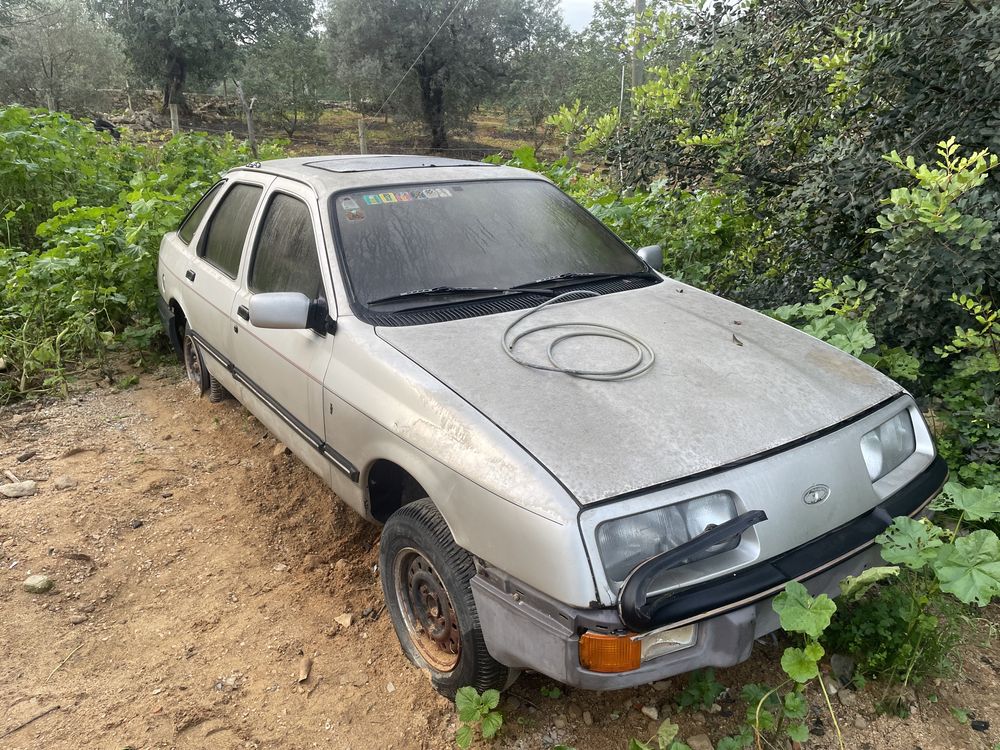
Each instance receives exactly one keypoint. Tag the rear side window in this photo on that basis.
(193, 220)
(285, 259)
(223, 242)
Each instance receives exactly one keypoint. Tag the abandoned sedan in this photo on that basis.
(583, 467)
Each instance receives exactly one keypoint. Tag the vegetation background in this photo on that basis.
(831, 162)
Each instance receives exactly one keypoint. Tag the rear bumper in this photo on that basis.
(524, 629)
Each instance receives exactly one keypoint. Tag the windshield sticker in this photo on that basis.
(351, 209)
(380, 199)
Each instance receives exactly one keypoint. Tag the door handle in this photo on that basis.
(190, 275)
(243, 312)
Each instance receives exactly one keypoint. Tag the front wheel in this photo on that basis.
(425, 579)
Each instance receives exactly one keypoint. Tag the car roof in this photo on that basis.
(328, 174)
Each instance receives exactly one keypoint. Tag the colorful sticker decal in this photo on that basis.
(381, 199)
(351, 209)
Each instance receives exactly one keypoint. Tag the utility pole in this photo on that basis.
(363, 135)
(248, 111)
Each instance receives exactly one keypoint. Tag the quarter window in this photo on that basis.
(285, 259)
(193, 220)
(227, 230)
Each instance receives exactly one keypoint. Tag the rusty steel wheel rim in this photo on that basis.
(427, 610)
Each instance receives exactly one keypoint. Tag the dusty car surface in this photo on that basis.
(583, 468)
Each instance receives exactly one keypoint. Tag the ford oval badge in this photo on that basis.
(816, 494)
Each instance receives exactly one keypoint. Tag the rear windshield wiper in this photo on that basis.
(577, 276)
(445, 291)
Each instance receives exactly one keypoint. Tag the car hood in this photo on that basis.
(728, 383)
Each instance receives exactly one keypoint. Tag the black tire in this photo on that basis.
(419, 560)
(194, 365)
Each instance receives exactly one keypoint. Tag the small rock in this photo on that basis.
(77, 619)
(280, 568)
(26, 488)
(512, 703)
(3, 365)
(847, 698)
(980, 725)
(661, 685)
(651, 711)
(700, 742)
(698, 716)
(832, 686)
(715, 708)
(280, 449)
(860, 722)
(588, 719)
(344, 620)
(311, 562)
(38, 584)
(842, 668)
(64, 482)
(27, 455)
(390, 688)
(573, 710)
(559, 723)
(136, 523)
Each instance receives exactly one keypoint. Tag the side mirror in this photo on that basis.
(280, 310)
(653, 255)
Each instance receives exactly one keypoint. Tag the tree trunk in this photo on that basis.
(173, 89)
(432, 103)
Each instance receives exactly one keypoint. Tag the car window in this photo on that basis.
(193, 220)
(471, 234)
(227, 230)
(285, 257)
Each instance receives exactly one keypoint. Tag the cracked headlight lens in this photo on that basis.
(888, 445)
(625, 542)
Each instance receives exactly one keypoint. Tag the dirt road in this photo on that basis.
(197, 567)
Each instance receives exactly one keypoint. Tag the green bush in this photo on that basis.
(78, 262)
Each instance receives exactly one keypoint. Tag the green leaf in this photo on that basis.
(853, 588)
(977, 503)
(798, 732)
(802, 664)
(666, 734)
(467, 703)
(969, 569)
(801, 613)
(910, 542)
(463, 737)
(491, 699)
(796, 706)
(634, 744)
(491, 724)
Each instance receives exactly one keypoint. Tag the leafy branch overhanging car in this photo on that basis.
(552, 498)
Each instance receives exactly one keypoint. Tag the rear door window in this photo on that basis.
(193, 220)
(285, 258)
(223, 241)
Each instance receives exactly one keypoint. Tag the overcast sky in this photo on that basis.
(577, 12)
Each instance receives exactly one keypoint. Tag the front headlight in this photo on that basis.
(625, 542)
(888, 445)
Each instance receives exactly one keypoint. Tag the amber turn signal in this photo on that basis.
(609, 653)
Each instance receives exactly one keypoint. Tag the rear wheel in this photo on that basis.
(425, 579)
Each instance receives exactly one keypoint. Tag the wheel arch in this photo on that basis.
(389, 486)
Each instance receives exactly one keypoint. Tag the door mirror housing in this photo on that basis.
(653, 255)
(284, 310)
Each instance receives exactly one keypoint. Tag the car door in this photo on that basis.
(212, 275)
(284, 368)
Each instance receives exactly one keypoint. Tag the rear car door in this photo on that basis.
(213, 271)
(284, 368)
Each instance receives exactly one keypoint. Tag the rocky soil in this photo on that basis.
(194, 586)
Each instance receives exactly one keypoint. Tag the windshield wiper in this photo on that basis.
(444, 291)
(577, 276)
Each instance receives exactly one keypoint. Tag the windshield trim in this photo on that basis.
(358, 307)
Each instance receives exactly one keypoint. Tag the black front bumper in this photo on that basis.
(751, 584)
(170, 325)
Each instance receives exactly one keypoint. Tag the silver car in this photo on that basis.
(583, 468)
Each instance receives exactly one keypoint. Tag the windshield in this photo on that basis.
(493, 234)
